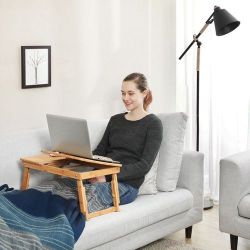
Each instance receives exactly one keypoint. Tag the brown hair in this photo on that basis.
(142, 84)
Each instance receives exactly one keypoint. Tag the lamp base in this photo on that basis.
(208, 203)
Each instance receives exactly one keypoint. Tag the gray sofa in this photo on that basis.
(148, 218)
(234, 207)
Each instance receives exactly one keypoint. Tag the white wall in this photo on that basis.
(94, 45)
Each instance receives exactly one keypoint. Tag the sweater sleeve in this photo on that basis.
(101, 149)
(151, 148)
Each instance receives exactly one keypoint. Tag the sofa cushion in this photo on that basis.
(171, 150)
(244, 206)
(149, 184)
(144, 211)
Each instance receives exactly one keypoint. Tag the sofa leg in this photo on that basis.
(188, 232)
(233, 241)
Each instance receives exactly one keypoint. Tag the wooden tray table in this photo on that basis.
(52, 162)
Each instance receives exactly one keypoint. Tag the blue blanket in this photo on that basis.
(34, 219)
(48, 216)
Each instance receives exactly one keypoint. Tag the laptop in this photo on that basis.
(71, 136)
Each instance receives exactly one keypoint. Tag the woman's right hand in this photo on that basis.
(97, 179)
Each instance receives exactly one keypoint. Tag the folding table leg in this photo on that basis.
(25, 179)
(115, 192)
(82, 198)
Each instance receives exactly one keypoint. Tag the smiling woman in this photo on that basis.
(134, 137)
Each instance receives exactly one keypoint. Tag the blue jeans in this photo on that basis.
(129, 195)
(99, 195)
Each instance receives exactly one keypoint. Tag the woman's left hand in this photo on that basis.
(97, 179)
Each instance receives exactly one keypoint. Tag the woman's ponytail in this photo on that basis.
(147, 100)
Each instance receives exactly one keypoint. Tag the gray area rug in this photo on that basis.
(165, 243)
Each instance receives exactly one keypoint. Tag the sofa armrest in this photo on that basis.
(192, 175)
(234, 184)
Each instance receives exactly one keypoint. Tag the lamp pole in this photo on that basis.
(198, 94)
(198, 43)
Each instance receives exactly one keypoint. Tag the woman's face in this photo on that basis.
(132, 97)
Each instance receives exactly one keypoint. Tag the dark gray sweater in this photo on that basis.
(133, 143)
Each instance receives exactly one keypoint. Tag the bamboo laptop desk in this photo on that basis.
(52, 162)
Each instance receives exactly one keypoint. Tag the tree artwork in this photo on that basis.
(36, 66)
(35, 60)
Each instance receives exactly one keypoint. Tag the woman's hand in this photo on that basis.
(97, 179)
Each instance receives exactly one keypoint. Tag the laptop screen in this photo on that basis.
(69, 135)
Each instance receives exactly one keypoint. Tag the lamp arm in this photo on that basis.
(209, 21)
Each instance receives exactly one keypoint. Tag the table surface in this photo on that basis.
(48, 157)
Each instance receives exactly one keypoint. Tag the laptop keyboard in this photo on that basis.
(102, 158)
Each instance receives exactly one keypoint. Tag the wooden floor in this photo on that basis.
(206, 234)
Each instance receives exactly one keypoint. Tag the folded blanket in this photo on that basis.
(32, 219)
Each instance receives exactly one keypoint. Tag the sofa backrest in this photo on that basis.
(31, 142)
(16, 145)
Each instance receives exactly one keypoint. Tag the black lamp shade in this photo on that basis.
(224, 22)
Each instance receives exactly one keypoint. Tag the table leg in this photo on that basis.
(115, 192)
(25, 179)
(82, 198)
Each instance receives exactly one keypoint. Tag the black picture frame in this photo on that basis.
(36, 66)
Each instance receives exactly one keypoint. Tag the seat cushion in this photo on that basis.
(244, 206)
(144, 211)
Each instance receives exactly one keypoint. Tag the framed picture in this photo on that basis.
(36, 66)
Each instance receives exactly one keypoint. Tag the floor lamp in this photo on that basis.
(224, 23)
